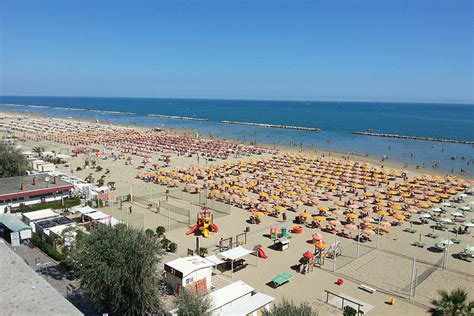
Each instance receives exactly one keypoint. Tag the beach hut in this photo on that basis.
(190, 272)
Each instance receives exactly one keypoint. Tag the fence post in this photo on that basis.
(413, 277)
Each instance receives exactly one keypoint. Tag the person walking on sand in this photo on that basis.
(283, 216)
(129, 210)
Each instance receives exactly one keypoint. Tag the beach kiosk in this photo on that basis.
(193, 273)
(281, 243)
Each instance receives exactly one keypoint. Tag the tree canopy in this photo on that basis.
(118, 267)
(190, 304)
(290, 308)
(12, 161)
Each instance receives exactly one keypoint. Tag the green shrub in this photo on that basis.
(55, 205)
(165, 243)
(173, 247)
(202, 251)
(160, 231)
(349, 311)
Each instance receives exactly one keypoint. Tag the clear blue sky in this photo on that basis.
(384, 50)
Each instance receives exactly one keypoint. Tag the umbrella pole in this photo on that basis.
(413, 277)
(334, 254)
(358, 243)
(232, 269)
(378, 235)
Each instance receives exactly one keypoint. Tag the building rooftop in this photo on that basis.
(41, 214)
(188, 265)
(12, 187)
(24, 292)
(13, 223)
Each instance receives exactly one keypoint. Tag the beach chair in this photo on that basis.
(419, 244)
(282, 278)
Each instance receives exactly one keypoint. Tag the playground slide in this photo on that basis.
(261, 253)
(191, 230)
(205, 232)
(214, 227)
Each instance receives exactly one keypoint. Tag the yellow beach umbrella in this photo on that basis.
(263, 194)
(339, 203)
(304, 214)
(319, 218)
(383, 213)
(382, 204)
(324, 209)
(279, 208)
(399, 217)
(396, 207)
(352, 215)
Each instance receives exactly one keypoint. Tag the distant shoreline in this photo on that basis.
(316, 151)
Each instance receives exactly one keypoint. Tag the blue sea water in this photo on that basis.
(337, 119)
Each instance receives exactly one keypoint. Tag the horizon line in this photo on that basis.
(247, 99)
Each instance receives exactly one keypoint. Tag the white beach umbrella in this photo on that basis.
(457, 214)
(446, 242)
(424, 215)
(446, 204)
(445, 220)
(468, 224)
(464, 208)
(436, 210)
(462, 195)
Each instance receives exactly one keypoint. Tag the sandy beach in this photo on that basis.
(384, 263)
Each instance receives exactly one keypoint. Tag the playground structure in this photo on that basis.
(279, 232)
(204, 223)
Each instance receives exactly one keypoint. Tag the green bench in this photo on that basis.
(282, 278)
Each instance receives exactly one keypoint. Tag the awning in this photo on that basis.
(235, 253)
(84, 210)
(98, 215)
(249, 305)
(112, 221)
(216, 261)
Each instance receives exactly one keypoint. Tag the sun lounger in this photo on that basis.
(419, 244)
(282, 278)
(367, 288)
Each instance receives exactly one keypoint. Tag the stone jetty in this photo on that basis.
(431, 139)
(300, 128)
(176, 117)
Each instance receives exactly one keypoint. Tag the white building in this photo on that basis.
(237, 299)
(31, 217)
(188, 272)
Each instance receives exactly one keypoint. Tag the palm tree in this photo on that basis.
(290, 308)
(38, 150)
(452, 303)
(190, 304)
